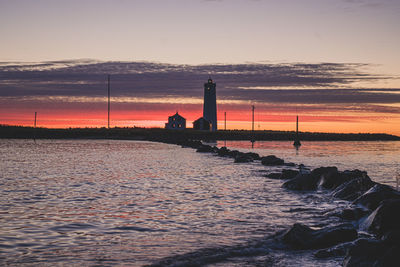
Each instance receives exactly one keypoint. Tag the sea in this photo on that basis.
(139, 203)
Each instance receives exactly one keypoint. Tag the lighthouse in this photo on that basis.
(210, 104)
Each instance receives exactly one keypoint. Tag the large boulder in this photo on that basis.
(223, 152)
(300, 236)
(352, 214)
(367, 252)
(253, 155)
(374, 196)
(305, 182)
(354, 188)
(335, 251)
(243, 158)
(205, 148)
(385, 219)
(272, 160)
(329, 176)
(284, 175)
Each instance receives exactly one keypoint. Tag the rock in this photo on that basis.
(303, 237)
(205, 148)
(223, 152)
(354, 188)
(233, 153)
(392, 238)
(272, 160)
(367, 252)
(284, 175)
(191, 143)
(329, 176)
(352, 214)
(289, 174)
(242, 158)
(385, 219)
(375, 195)
(253, 155)
(306, 182)
(335, 251)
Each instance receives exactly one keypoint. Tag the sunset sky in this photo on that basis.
(335, 63)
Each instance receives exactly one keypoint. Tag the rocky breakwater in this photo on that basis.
(373, 208)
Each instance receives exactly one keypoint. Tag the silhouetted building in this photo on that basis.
(201, 124)
(176, 122)
(210, 104)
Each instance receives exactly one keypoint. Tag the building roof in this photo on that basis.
(176, 115)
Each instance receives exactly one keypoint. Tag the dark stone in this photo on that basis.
(289, 174)
(353, 214)
(385, 219)
(305, 182)
(272, 160)
(335, 251)
(253, 155)
(205, 148)
(329, 176)
(284, 175)
(303, 237)
(190, 143)
(233, 153)
(375, 195)
(354, 188)
(391, 257)
(242, 158)
(223, 152)
(367, 252)
(392, 237)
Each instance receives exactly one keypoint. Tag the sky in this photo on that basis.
(334, 63)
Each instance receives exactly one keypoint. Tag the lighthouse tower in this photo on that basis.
(210, 104)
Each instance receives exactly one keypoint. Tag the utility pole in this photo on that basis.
(108, 101)
(225, 120)
(35, 119)
(252, 124)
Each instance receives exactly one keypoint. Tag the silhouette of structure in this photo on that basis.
(210, 104)
(252, 119)
(297, 139)
(225, 120)
(176, 122)
(35, 119)
(201, 124)
(108, 114)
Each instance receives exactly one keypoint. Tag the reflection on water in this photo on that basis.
(130, 203)
(380, 159)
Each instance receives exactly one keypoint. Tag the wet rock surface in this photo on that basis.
(385, 219)
(374, 196)
(367, 252)
(300, 236)
(302, 182)
(284, 175)
(272, 160)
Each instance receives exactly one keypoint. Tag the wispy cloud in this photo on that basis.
(278, 88)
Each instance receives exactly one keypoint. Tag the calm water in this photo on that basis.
(132, 203)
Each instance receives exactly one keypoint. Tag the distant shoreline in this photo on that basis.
(159, 134)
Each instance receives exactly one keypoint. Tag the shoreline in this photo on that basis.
(155, 134)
